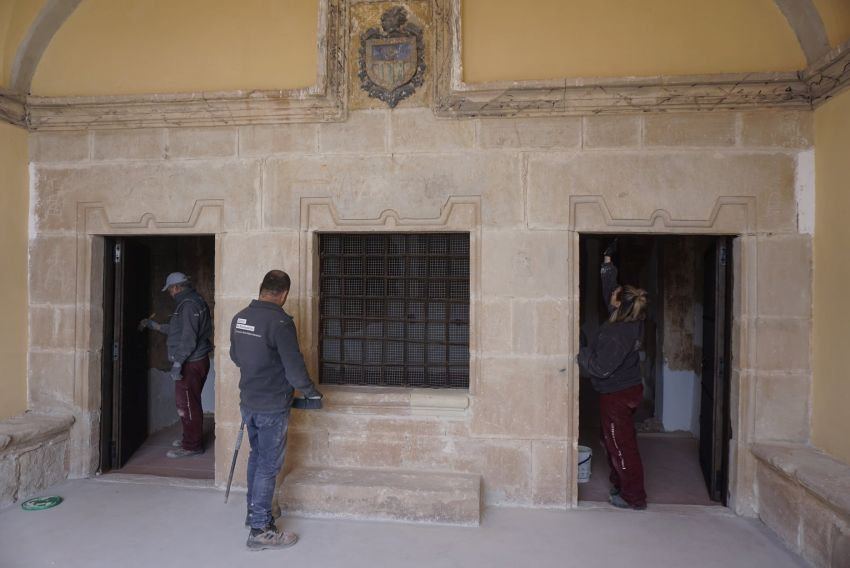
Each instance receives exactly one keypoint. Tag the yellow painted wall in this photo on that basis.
(14, 215)
(830, 417)
(836, 18)
(110, 47)
(549, 39)
(16, 16)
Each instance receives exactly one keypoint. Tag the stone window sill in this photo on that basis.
(399, 401)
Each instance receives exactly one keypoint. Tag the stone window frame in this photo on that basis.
(458, 215)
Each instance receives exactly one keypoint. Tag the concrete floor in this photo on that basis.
(129, 523)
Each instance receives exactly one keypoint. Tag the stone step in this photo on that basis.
(412, 496)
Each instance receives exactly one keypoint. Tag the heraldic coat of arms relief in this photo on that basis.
(392, 61)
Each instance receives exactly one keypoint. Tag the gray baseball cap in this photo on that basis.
(175, 278)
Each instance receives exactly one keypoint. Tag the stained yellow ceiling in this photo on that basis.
(548, 39)
(130, 46)
(16, 16)
(836, 19)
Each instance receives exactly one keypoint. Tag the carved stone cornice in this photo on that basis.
(829, 76)
(324, 102)
(625, 95)
(12, 109)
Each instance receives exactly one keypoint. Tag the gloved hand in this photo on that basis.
(611, 250)
(313, 394)
(149, 324)
(174, 373)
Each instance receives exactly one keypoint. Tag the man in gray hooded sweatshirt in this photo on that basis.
(188, 330)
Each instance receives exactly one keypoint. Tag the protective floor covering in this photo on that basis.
(108, 524)
(672, 475)
(150, 458)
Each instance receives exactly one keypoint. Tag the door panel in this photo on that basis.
(714, 406)
(130, 368)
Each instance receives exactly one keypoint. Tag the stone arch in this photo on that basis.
(804, 19)
(44, 27)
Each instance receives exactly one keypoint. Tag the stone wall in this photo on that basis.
(523, 188)
(33, 455)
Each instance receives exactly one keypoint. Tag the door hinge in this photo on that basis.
(115, 351)
(117, 253)
(722, 255)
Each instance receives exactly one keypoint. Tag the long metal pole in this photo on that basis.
(233, 463)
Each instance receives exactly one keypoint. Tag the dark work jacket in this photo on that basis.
(613, 360)
(189, 329)
(264, 346)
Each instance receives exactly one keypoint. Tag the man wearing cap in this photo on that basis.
(188, 331)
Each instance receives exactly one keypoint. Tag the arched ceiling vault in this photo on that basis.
(802, 16)
(824, 75)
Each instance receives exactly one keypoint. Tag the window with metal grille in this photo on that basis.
(394, 309)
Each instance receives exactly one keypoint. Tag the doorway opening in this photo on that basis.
(683, 424)
(139, 421)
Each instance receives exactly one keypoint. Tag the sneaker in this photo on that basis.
(270, 537)
(621, 503)
(181, 453)
(178, 443)
(614, 491)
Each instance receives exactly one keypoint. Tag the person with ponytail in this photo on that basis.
(613, 363)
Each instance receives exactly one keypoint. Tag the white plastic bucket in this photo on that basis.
(584, 455)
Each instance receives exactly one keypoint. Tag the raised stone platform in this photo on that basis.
(804, 496)
(428, 497)
(33, 454)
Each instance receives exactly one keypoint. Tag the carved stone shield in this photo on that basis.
(392, 61)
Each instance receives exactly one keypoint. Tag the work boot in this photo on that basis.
(270, 537)
(181, 453)
(621, 503)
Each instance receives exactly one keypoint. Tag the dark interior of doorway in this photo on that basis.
(684, 423)
(138, 418)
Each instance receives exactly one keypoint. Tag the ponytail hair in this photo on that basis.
(633, 302)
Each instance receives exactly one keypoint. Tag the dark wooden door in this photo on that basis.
(714, 400)
(129, 349)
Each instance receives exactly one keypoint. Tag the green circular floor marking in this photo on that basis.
(41, 503)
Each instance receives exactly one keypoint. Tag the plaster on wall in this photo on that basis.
(804, 192)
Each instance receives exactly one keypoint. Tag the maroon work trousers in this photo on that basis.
(187, 395)
(617, 411)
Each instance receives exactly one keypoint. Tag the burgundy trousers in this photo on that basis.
(617, 411)
(187, 395)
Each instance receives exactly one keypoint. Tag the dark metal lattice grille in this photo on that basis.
(394, 309)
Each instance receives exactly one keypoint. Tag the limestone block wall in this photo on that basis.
(523, 188)
(34, 454)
